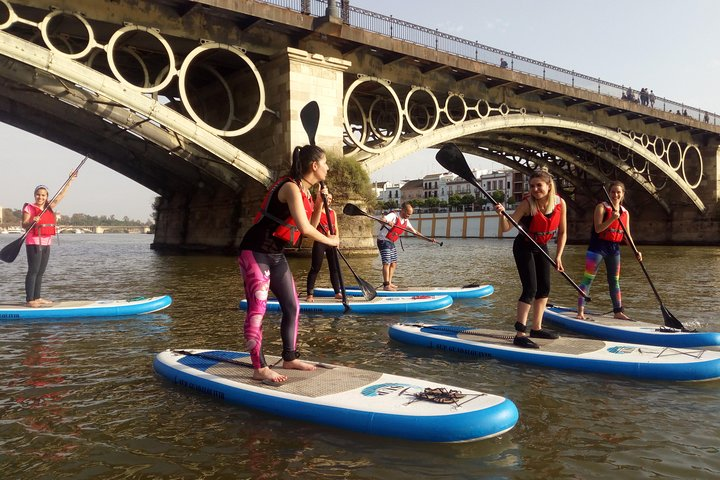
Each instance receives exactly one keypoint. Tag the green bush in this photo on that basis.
(349, 180)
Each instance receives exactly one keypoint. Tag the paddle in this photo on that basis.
(368, 290)
(670, 320)
(334, 250)
(451, 158)
(310, 118)
(10, 251)
(354, 210)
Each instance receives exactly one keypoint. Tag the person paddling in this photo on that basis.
(286, 214)
(605, 239)
(40, 222)
(542, 214)
(321, 250)
(390, 232)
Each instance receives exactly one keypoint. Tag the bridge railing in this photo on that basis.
(427, 37)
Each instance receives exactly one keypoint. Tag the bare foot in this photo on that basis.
(34, 304)
(310, 298)
(44, 302)
(298, 365)
(266, 373)
(392, 286)
(338, 296)
(580, 315)
(621, 316)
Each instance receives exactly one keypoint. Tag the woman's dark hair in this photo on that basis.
(303, 158)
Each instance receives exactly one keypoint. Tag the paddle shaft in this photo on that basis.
(527, 236)
(431, 240)
(635, 250)
(10, 251)
(334, 250)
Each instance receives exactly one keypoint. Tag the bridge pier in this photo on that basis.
(214, 220)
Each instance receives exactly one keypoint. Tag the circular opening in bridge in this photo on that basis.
(380, 105)
(68, 34)
(221, 89)
(455, 108)
(483, 108)
(137, 55)
(422, 110)
(358, 123)
(674, 155)
(659, 146)
(692, 164)
(7, 15)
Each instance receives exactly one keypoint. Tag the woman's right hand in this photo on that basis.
(499, 209)
(333, 240)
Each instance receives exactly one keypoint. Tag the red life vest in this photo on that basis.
(542, 228)
(45, 227)
(614, 232)
(287, 230)
(397, 229)
(323, 225)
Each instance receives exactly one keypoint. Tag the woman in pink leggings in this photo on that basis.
(287, 213)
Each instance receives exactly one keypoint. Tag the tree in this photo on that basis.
(499, 196)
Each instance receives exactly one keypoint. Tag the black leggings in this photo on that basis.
(319, 251)
(37, 258)
(533, 268)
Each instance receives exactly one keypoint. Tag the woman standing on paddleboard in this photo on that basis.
(542, 214)
(320, 251)
(40, 222)
(605, 238)
(286, 214)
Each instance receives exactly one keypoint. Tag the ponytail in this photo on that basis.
(302, 159)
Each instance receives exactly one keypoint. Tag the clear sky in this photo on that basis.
(668, 46)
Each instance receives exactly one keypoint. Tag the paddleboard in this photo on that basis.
(475, 291)
(421, 303)
(606, 327)
(348, 398)
(81, 308)
(586, 355)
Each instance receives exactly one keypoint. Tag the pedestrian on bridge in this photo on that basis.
(40, 222)
(605, 238)
(286, 214)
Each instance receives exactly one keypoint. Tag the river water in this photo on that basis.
(79, 399)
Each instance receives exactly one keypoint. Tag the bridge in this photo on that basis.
(102, 229)
(199, 101)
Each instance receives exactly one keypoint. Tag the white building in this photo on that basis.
(387, 191)
(435, 185)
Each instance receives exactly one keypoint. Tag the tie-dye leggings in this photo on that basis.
(262, 272)
(612, 265)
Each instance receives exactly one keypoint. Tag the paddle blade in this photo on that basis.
(352, 209)
(310, 118)
(368, 290)
(453, 160)
(670, 320)
(10, 251)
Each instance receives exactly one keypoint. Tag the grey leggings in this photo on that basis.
(37, 258)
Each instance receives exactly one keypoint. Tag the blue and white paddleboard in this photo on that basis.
(76, 309)
(475, 291)
(586, 355)
(380, 305)
(609, 328)
(348, 398)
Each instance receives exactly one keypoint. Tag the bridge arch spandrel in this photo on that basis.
(509, 122)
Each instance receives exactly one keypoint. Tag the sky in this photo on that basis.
(668, 46)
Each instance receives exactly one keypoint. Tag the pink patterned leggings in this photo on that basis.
(263, 272)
